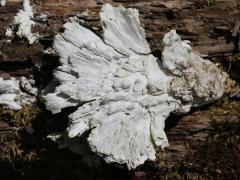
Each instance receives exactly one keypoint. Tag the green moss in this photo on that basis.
(21, 118)
(12, 151)
(225, 116)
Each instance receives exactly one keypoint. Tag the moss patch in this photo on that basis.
(21, 118)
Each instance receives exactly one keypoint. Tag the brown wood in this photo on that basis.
(211, 26)
(5, 128)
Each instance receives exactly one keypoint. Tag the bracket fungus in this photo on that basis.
(22, 24)
(2, 2)
(16, 93)
(123, 93)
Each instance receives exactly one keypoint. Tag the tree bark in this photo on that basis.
(213, 27)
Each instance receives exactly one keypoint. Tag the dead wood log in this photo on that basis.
(213, 28)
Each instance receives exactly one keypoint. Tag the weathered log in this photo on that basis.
(5, 128)
(197, 21)
(212, 32)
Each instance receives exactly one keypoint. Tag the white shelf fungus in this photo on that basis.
(16, 93)
(3, 2)
(123, 93)
(23, 24)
